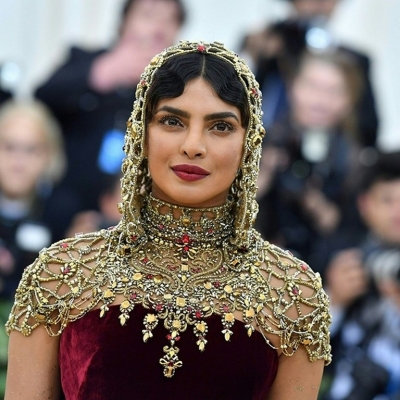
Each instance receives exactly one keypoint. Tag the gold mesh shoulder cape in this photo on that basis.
(182, 264)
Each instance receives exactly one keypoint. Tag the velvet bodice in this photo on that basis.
(100, 359)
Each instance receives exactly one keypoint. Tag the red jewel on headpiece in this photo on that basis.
(143, 82)
(64, 245)
(254, 92)
(201, 48)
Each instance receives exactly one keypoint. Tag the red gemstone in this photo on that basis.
(304, 267)
(161, 227)
(171, 364)
(171, 267)
(198, 314)
(134, 296)
(134, 237)
(158, 307)
(149, 276)
(201, 48)
(186, 248)
(145, 260)
(169, 337)
(66, 270)
(64, 245)
(186, 238)
(178, 338)
(210, 231)
(225, 308)
(295, 291)
(217, 284)
(254, 92)
(143, 82)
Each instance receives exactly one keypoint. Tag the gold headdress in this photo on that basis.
(135, 182)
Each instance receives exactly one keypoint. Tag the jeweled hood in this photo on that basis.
(136, 182)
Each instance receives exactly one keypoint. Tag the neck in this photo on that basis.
(14, 208)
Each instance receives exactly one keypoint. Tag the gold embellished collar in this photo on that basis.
(191, 226)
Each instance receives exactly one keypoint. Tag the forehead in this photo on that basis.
(22, 128)
(148, 8)
(200, 97)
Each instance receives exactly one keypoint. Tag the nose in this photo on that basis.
(193, 145)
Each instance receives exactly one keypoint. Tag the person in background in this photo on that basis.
(363, 283)
(279, 53)
(33, 212)
(107, 216)
(309, 159)
(92, 93)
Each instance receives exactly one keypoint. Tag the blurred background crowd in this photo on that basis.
(329, 186)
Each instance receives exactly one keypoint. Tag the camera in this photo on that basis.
(384, 264)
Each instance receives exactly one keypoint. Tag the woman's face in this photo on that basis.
(320, 96)
(152, 23)
(194, 146)
(24, 155)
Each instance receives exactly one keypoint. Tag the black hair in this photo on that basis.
(385, 169)
(171, 78)
(130, 3)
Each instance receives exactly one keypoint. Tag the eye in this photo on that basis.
(222, 126)
(170, 120)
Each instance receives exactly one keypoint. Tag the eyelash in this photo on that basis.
(178, 122)
(166, 118)
(226, 125)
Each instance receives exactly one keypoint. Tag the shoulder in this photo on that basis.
(296, 306)
(60, 285)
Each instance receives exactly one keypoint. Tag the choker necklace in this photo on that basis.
(198, 227)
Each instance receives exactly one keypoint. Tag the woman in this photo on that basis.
(222, 310)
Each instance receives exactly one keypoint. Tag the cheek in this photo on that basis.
(232, 158)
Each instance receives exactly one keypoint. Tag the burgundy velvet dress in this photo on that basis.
(100, 359)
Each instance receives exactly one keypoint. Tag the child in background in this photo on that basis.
(363, 283)
(107, 215)
(32, 161)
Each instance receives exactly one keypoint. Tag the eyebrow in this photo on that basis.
(209, 117)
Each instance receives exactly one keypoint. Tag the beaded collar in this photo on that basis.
(191, 227)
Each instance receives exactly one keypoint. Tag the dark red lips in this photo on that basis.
(189, 172)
